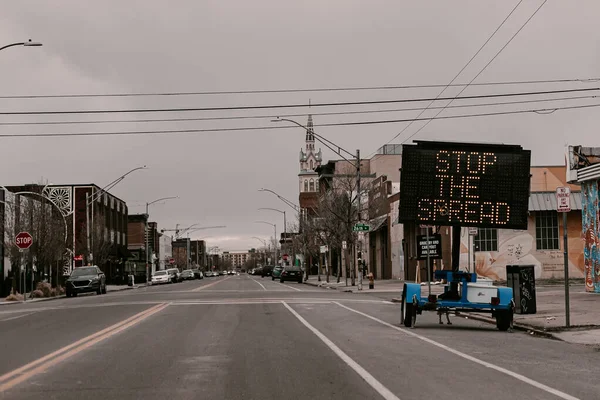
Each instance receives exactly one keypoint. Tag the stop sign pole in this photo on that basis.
(23, 241)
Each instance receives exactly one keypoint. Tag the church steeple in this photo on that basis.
(310, 134)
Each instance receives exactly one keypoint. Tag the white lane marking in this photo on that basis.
(363, 373)
(17, 317)
(515, 375)
(261, 285)
(291, 287)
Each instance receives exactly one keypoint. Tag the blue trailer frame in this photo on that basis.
(413, 303)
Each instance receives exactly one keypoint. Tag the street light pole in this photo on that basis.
(284, 223)
(286, 201)
(146, 233)
(93, 198)
(275, 229)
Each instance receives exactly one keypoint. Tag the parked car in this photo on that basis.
(160, 277)
(231, 272)
(276, 272)
(267, 270)
(174, 275)
(198, 274)
(85, 280)
(187, 275)
(291, 273)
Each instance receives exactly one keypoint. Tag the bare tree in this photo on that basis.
(338, 212)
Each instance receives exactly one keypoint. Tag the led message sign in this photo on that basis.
(465, 184)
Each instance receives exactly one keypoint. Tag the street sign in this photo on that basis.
(563, 199)
(361, 228)
(23, 240)
(171, 261)
(324, 249)
(433, 247)
(473, 231)
(344, 245)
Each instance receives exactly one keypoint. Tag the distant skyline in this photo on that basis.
(153, 47)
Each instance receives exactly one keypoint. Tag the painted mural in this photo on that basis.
(590, 224)
(517, 247)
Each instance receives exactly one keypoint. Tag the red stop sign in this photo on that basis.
(285, 257)
(23, 240)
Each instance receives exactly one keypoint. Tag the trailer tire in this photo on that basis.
(408, 314)
(504, 319)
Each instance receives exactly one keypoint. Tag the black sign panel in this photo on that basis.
(465, 184)
(433, 246)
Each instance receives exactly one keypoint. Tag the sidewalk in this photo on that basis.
(381, 286)
(109, 288)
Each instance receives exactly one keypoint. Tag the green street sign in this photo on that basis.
(361, 228)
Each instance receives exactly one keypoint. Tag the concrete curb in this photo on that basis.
(10, 303)
(325, 285)
(62, 296)
(516, 326)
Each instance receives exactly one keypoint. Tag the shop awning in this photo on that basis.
(546, 201)
(378, 223)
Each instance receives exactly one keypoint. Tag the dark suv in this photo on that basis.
(85, 280)
(291, 273)
(267, 270)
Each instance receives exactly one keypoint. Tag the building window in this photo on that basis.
(486, 239)
(546, 230)
(311, 164)
(312, 185)
(306, 186)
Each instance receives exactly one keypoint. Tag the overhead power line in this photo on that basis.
(481, 71)
(459, 72)
(298, 90)
(298, 105)
(255, 128)
(265, 116)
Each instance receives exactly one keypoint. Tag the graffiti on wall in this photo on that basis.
(519, 248)
(589, 225)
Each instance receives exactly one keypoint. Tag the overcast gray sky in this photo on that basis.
(111, 46)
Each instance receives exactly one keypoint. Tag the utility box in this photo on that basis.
(481, 293)
(521, 278)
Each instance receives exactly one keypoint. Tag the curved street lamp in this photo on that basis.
(91, 201)
(275, 229)
(146, 226)
(28, 43)
(286, 201)
(284, 220)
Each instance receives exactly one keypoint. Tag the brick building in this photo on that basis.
(136, 239)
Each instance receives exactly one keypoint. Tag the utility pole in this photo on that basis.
(146, 246)
(358, 196)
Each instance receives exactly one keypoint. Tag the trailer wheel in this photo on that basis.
(504, 319)
(409, 314)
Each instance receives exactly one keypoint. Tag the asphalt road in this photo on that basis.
(245, 337)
